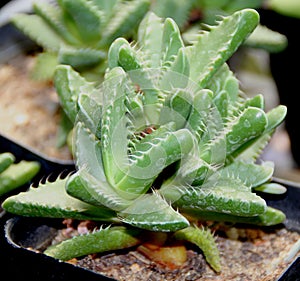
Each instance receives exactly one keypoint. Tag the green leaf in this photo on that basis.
(177, 108)
(51, 200)
(152, 157)
(264, 38)
(223, 196)
(89, 189)
(114, 50)
(127, 16)
(90, 111)
(89, 183)
(177, 10)
(271, 188)
(171, 41)
(6, 159)
(204, 239)
(150, 35)
(152, 212)
(114, 123)
(44, 66)
(213, 48)
(18, 174)
(177, 73)
(80, 58)
(202, 106)
(250, 174)
(99, 241)
(225, 80)
(64, 128)
(86, 18)
(249, 125)
(69, 84)
(270, 217)
(128, 58)
(53, 17)
(37, 30)
(254, 147)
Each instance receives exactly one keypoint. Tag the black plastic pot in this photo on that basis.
(50, 169)
(49, 166)
(20, 233)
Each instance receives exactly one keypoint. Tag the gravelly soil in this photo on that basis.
(29, 110)
(247, 254)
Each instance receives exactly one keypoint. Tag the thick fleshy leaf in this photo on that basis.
(36, 29)
(152, 212)
(85, 18)
(270, 217)
(69, 84)
(125, 19)
(108, 239)
(18, 174)
(80, 58)
(51, 200)
(114, 123)
(54, 18)
(6, 159)
(150, 38)
(87, 188)
(152, 157)
(223, 196)
(171, 41)
(250, 174)
(204, 239)
(206, 56)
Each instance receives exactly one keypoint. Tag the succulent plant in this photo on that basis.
(166, 140)
(15, 174)
(78, 32)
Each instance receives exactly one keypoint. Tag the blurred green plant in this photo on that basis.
(13, 175)
(78, 32)
(192, 16)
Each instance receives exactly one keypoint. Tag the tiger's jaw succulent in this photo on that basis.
(168, 128)
(78, 32)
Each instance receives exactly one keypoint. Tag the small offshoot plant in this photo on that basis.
(167, 141)
(15, 174)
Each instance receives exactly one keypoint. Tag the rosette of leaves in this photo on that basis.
(15, 174)
(78, 32)
(168, 136)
